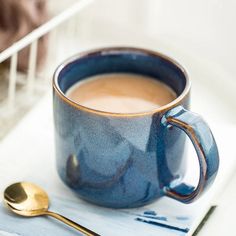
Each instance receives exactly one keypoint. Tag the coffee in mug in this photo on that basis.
(121, 93)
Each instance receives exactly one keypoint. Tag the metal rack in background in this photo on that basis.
(22, 90)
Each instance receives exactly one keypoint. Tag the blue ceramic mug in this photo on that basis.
(128, 160)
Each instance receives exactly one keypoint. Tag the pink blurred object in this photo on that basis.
(17, 19)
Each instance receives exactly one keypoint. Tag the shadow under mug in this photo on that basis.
(128, 160)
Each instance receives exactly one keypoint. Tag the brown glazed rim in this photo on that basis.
(108, 50)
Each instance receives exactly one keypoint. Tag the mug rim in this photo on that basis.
(107, 51)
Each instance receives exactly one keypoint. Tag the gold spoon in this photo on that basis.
(28, 199)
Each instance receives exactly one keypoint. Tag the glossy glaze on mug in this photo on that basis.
(120, 160)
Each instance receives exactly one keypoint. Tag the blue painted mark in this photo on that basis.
(153, 213)
(154, 217)
(185, 230)
(182, 218)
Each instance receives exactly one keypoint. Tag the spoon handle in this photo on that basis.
(73, 224)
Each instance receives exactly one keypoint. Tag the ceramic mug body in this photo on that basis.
(128, 160)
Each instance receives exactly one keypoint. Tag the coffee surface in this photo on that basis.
(121, 93)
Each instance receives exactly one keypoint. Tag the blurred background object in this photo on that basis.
(17, 19)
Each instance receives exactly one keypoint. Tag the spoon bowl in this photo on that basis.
(26, 199)
(30, 200)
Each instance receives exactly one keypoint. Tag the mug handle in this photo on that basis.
(204, 143)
